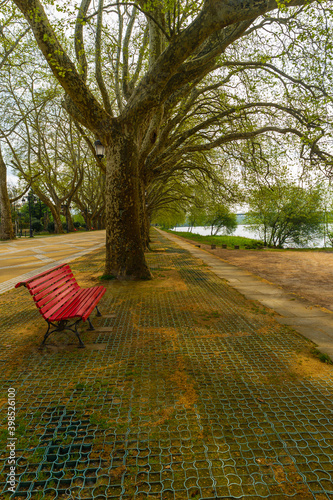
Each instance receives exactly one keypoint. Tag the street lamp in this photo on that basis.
(100, 149)
(31, 198)
(15, 216)
(19, 224)
(65, 208)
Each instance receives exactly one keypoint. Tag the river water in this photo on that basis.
(247, 232)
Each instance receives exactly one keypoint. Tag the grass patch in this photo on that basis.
(324, 358)
(230, 241)
(107, 277)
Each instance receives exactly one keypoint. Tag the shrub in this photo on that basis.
(37, 226)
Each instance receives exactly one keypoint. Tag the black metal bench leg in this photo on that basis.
(81, 344)
(98, 312)
(91, 327)
(47, 334)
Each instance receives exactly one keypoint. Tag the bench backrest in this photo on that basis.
(52, 289)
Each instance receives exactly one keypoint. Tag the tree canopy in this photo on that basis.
(286, 213)
(179, 87)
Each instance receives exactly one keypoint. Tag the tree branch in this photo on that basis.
(98, 58)
(12, 48)
(79, 43)
(62, 67)
(125, 77)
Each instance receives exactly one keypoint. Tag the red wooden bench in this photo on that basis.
(60, 299)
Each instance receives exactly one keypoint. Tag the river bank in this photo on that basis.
(246, 231)
(308, 274)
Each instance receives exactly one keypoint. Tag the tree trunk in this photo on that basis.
(145, 228)
(6, 228)
(95, 223)
(125, 257)
(87, 219)
(55, 210)
(144, 216)
(69, 219)
(46, 220)
(58, 229)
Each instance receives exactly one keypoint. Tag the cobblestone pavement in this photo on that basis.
(35, 255)
(186, 390)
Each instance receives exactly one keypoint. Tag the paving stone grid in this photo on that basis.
(167, 409)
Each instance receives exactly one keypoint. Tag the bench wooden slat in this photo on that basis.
(85, 304)
(57, 303)
(73, 308)
(55, 287)
(65, 312)
(66, 286)
(42, 283)
(82, 307)
(59, 298)
(91, 307)
(32, 283)
(29, 280)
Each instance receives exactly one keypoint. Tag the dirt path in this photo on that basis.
(307, 274)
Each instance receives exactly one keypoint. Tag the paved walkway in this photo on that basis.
(186, 391)
(313, 322)
(35, 255)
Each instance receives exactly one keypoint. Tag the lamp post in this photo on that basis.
(19, 224)
(31, 198)
(15, 217)
(100, 149)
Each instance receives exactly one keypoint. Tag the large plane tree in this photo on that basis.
(156, 82)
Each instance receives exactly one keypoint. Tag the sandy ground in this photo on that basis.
(307, 274)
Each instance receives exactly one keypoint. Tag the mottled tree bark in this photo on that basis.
(46, 221)
(69, 219)
(146, 229)
(144, 216)
(6, 228)
(58, 229)
(87, 220)
(124, 246)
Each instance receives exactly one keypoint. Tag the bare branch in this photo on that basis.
(274, 69)
(126, 88)
(26, 189)
(98, 57)
(12, 48)
(147, 14)
(62, 67)
(79, 43)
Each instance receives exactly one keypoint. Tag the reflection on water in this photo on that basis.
(247, 232)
